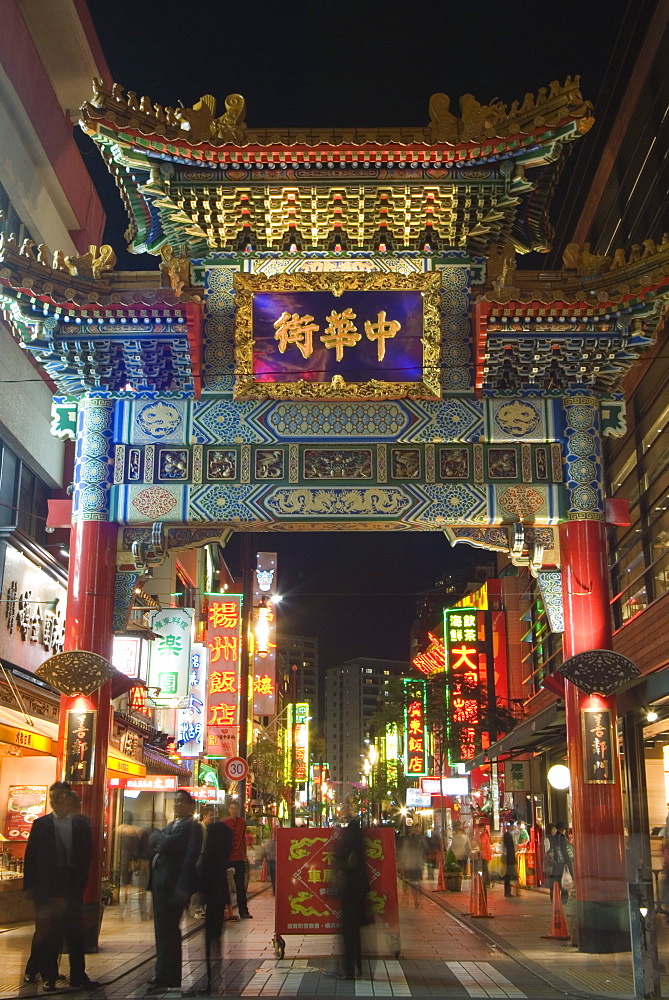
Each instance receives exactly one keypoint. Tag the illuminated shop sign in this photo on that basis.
(32, 612)
(390, 751)
(79, 746)
(598, 746)
(433, 660)
(224, 631)
(415, 735)
(128, 656)
(191, 720)
(296, 743)
(169, 654)
(264, 651)
(463, 691)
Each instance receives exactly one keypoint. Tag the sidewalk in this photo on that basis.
(518, 926)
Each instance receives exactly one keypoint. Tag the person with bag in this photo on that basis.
(562, 854)
(172, 882)
(215, 893)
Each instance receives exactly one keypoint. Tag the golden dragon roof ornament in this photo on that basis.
(475, 123)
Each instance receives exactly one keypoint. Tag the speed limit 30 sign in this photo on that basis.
(236, 768)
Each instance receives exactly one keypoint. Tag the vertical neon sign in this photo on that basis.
(463, 702)
(415, 741)
(224, 641)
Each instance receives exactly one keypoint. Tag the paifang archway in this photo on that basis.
(340, 340)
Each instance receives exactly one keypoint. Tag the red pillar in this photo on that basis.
(597, 809)
(90, 609)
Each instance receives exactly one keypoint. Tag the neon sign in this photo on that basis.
(415, 735)
(296, 741)
(433, 660)
(264, 653)
(463, 701)
(224, 627)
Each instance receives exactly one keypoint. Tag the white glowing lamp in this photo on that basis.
(558, 776)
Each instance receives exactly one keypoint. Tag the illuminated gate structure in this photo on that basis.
(339, 339)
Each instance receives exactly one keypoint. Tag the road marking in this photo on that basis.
(481, 979)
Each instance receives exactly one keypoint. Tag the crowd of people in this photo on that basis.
(201, 863)
(417, 852)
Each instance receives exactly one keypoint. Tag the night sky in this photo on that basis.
(352, 63)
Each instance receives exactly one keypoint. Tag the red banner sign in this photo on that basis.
(433, 660)
(224, 629)
(306, 900)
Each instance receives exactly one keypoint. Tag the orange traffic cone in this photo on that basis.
(263, 871)
(478, 906)
(441, 882)
(558, 923)
(228, 914)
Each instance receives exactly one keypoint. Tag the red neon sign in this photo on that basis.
(224, 640)
(461, 633)
(433, 660)
(415, 737)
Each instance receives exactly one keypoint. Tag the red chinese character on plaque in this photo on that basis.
(226, 646)
(224, 614)
(263, 684)
(222, 715)
(222, 682)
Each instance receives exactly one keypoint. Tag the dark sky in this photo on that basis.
(339, 63)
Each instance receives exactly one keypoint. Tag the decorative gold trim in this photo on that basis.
(337, 282)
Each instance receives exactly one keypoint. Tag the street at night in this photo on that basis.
(334, 500)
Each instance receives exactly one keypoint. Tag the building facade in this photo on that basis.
(354, 693)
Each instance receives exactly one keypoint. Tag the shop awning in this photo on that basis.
(33, 736)
(536, 733)
(119, 765)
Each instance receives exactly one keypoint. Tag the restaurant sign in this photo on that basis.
(169, 654)
(224, 631)
(415, 732)
(79, 746)
(463, 689)
(339, 332)
(598, 746)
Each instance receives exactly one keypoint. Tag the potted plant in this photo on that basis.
(452, 873)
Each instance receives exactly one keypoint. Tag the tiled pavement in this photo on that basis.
(443, 954)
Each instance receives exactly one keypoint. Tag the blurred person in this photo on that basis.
(509, 854)
(56, 867)
(269, 855)
(208, 815)
(173, 880)
(561, 856)
(460, 845)
(548, 857)
(238, 857)
(130, 848)
(214, 891)
(522, 837)
(352, 888)
(483, 848)
(415, 851)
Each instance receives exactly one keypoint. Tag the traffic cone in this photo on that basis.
(263, 871)
(478, 903)
(441, 882)
(558, 923)
(228, 914)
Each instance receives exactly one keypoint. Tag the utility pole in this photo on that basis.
(248, 569)
(293, 755)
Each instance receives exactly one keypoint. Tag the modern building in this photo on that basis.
(354, 692)
(301, 684)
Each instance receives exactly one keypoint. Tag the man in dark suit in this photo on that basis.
(56, 866)
(173, 881)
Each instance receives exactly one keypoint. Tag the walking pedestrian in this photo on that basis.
(352, 889)
(172, 882)
(56, 866)
(269, 854)
(238, 857)
(215, 893)
(509, 851)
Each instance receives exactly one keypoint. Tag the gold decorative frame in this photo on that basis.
(337, 282)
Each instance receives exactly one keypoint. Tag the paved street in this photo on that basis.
(443, 954)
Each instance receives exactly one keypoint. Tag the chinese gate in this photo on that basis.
(340, 340)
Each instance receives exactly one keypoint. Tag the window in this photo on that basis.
(23, 496)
